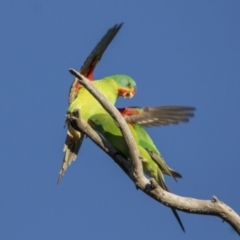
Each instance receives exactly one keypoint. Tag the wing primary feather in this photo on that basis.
(157, 116)
(92, 60)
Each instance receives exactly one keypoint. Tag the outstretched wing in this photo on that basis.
(92, 60)
(157, 116)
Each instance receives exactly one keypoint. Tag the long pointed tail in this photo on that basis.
(178, 219)
(164, 186)
(71, 150)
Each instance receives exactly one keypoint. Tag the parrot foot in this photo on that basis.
(73, 119)
(72, 116)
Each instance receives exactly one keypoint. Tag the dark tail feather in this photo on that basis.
(175, 174)
(164, 186)
(178, 219)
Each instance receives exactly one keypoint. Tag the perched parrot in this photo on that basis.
(153, 163)
(153, 116)
(72, 142)
(111, 87)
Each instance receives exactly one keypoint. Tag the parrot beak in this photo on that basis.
(130, 95)
(127, 93)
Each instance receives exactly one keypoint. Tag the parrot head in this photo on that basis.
(126, 85)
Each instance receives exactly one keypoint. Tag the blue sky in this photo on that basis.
(179, 53)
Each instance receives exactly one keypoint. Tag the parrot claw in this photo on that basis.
(72, 115)
(68, 118)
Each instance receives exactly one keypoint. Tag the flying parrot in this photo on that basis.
(153, 163)
(74, 140)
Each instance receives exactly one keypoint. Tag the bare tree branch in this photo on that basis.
(134, 170)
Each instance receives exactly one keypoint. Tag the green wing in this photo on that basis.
(145, 141)
(153, 163)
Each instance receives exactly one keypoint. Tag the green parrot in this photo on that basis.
(111, 87)
(74, 139)
(153, 116)
(126, 87)
(152, 161)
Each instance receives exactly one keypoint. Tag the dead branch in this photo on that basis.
(134, 168)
